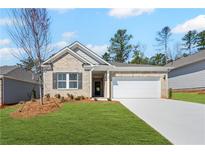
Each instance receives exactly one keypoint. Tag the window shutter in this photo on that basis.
(79, 80)
(54, 80)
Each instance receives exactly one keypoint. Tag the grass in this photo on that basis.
(190, 97)
(79, 124)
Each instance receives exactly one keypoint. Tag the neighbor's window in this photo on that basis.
(67, 80)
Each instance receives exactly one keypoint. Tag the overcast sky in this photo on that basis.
(95, 27)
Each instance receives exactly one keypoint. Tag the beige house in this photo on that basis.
(79, 71)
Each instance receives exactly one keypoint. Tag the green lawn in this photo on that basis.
(79, 123)
(190, 97)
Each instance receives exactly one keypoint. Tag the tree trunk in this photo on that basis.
(41, 84)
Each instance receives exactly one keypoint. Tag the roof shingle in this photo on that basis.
(199, 56)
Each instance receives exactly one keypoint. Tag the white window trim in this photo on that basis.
(61, 81)
(68, 80)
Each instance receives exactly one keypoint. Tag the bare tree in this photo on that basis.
(163, 39)
(30, 33)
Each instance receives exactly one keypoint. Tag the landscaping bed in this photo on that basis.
(33, 107)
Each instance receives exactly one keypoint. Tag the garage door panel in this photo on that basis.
(136, 87)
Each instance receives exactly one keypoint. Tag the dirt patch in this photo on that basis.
(200, 91)
(34, 108)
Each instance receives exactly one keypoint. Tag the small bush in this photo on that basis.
(62, 99)
(170, 93)
(33, 94)
(82, 97)
(57, 96)
(47, 96)
(109, 99)
(68, 95)
(78, 98)
(71, 97)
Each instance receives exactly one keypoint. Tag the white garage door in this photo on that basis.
(136, 87)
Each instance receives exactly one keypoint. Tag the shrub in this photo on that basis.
(109, 99)
(47, 96)
(78, 98)
(68, 95)
(170, 93)
(62, 99)
(57, 96)
(33, 94)
(71, 96)
(82, 97)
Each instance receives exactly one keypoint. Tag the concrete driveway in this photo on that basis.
(180, 122)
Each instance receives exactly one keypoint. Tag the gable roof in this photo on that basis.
(199, 56)
(76, 43)
(69, 49)
(64, 51)
(4, 70)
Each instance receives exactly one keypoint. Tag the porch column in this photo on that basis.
(108, 84)
(91, 86)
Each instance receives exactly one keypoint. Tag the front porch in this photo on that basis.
(100, 83)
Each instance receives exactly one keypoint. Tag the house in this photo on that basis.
(79, 71)
(188, 73)
(16, 85)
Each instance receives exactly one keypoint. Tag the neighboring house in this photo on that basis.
(188, 73)
(79, 71)
(16, 85)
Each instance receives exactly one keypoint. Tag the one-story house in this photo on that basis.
(188, 73)
(79, 71)
(16, 84)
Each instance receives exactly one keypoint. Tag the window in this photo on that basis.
(73, 80)
(67, 80)
(61, 80)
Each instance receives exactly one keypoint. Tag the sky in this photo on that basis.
(95, 27)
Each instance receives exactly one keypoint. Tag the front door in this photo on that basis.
(98, 88)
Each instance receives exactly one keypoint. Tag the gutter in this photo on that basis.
(12, 78)
(127, 69)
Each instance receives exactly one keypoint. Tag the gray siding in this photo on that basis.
(189, 76)
(191, 68)
(15, 91)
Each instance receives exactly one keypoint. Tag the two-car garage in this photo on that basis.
(136, 87)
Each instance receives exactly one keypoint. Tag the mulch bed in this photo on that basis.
(200, 91)
(34, 108)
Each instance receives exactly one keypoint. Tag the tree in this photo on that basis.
(106, 57)
(158, 59)
(189, 40)
(30, 33)
(178, 50)
(201, 40)
(120, 47)
(138, 56)
(163, 38)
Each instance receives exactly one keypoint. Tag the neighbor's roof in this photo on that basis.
(199, 56)
(117, 64)
(4, 70)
